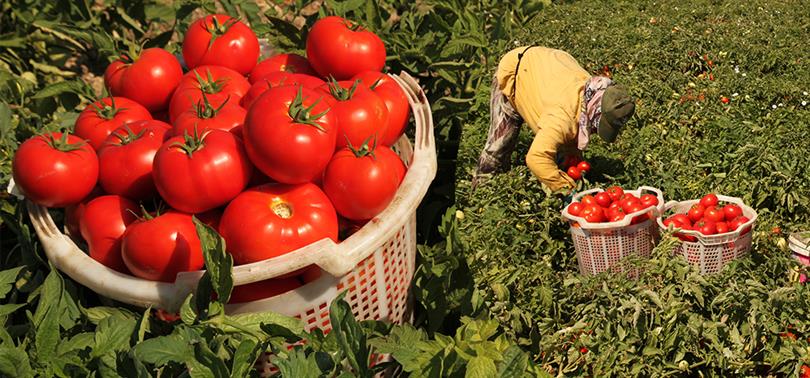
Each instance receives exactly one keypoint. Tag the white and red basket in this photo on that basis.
(710, 253)
(375, 265)
(602, 247)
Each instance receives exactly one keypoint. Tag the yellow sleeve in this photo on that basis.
(542, 155)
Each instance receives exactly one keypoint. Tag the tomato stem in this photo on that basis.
(216, 29)
(209, 85)
(340, 93)
(301, 114)
(364, 149)
(107, 112)
(191, 143)
(129, 137)
(62, 144)
(376, 83)
(207, 111)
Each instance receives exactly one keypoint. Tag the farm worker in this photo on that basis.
(560, 101)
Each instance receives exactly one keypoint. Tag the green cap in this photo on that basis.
(617, 108)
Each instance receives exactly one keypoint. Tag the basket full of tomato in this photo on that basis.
(713, 230)
(299, 163)
(609, 226)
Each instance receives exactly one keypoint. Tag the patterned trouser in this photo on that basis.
(502, 138)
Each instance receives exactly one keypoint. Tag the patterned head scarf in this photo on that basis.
(591, 110)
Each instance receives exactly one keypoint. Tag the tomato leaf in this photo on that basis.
(254, 323)
(46, 317)
(350, 336)
(14, 362)
(163, 349)
(8, 276)
(244, 358)
(113, 334)
(206, 364)
(299, 364)
(218, 263)
(97, 314)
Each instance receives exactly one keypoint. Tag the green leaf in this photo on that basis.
(350, 336)
(8, 276)
(99, 313)
(46, 317)
(252, 323)
(402, 344)
(7, 309)
(187, 313)
(515, 363)
(244, 358)
(67, 86)
(14, 362)
(218, 263)
(206, 364)
(298, 364)
(164, 349)
(481, 367)
(142, 326)
(78, 342)
(113, 334)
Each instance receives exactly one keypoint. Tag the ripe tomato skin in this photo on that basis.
(714, 214)
(575, 208)
(722, 227)
(334, 49)
(603, 199)
(235, 45)
(584, 166)
(73, 214)
(574, 173)
(588, 200)
(291, 63)
(54, 178)
(706, 227)
(615, 192)
(273, 219)
(696, 212)
(616, 217)
(104, 221)
(737, 222)
(228, 117)
(157, 249)
(149, 80)
(593, 214)
(682, 219)
(219, 84)
(263, 289)
(209, 177)
(629, 202)
(361, 187)
(709, 200)
(361, 115)
(278, 79)
(732, 211)
(125, 160)
(290, 150)
(614, 212)
(396, 101)
(100, 118)
(649, 200)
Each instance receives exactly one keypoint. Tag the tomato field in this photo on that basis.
(722, 108)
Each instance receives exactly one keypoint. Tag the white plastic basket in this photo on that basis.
(602, 247)
(375, 265)
(712, 252)
(799, 244)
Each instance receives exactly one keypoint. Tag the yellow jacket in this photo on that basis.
(548, 95)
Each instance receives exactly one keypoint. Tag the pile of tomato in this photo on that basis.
(708, 217)
(274, 155)
(613, 205)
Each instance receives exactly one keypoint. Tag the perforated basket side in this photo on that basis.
(608, 250)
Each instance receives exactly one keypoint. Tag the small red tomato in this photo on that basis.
(738, 222)
(588, 200)
(633, 207)
(615, 192)
(696, 212)
(603, 199)
(104, 221)
(574, 173)
(629, 202)
(706, 227)
(732, 211)
(682, 220)
(593, 214)
(640, 218)
(292, 63)
(709, 200)
(649, 200)
(616, 217)
(584, 166)
(221, 40)
(102, 117)
(613, 212)
(575, 208)
(724, 99)
(714, 214)
(684, 237)
(722, 227)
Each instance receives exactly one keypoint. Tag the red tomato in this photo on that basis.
(361, 183)
(613, 212)
(633, 207)
(158, 248)
(198, 173)
(218, 85)
(670, 222)
(696, 212)
(290, 134)
(571, 160)
(593, 214)
(148, 79)
(709, 200)
(732, 211)
(706, 227)
(273, 219)
(263, 289)
(584, 166)
(722, 227)
(682, 219)
(396, 101)
(292, 63)
(575, 208)
(574, 173)
(361, 114)
(221, 40)
(210, 217)
(205, 116)
(73, 214)
(738, 222)
(640, 218)
(104, 221)
(278, 79)
(100, 118)
(603, 199)
(649, 200)
(627, 202)
(805, 372)
(616, 217)
(588, 200)
(341, 48)
(615, 192)
(125, 159)
(714, 214)
(55, 169)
